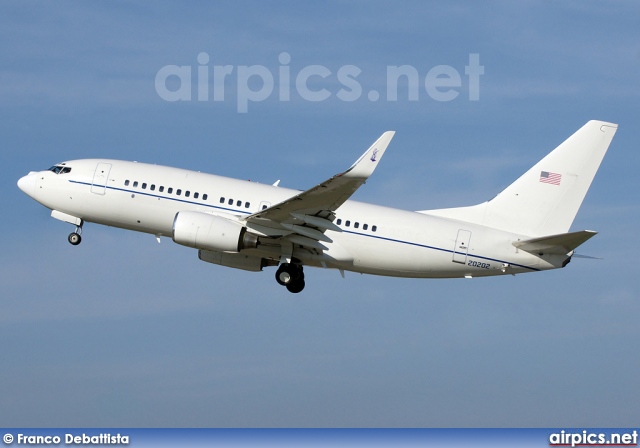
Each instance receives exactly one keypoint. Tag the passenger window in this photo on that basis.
(126, 183)
(339, 221)
(161, 189)
(187, 193)
(178, 192)
(246, 205)
(144, 186)
(356, 225)
(239, 203)
(222, 200)
(264, 207)
(374, 228)
(365, 226)
(348, 223)
(153, 187)
(195, 195)
(230, 202)
(135, 184)
(204, 197)
(170, 190)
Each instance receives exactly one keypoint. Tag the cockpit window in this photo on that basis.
(60, 169)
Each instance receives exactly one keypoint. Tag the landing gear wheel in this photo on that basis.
(292, 276)
(287, 273)
(296, 286)
(75, 238)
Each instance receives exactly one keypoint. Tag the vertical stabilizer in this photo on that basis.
(546, 199)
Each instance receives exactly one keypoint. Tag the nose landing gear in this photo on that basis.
(291, 276)
(75, 238)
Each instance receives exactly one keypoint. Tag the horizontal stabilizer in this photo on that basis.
(586, 257)
(555, 244)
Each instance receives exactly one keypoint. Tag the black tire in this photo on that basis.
(289, 273)
(296, 286)
(75, 238)
(285, 274)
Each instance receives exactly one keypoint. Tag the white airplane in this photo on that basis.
(247, 225)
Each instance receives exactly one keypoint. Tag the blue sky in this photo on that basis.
(122, 331)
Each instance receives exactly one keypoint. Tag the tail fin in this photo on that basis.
(545, 199)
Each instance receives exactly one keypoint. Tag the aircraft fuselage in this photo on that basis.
(374, 239)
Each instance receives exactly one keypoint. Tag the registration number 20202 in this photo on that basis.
(478, 264)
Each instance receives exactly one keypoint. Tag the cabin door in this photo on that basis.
(461, 248)
(99, 184)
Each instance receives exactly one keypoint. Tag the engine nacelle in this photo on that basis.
(210, 232)
(237, 261)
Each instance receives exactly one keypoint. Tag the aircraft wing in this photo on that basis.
(310, 213)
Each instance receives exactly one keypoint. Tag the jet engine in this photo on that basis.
(211, 232)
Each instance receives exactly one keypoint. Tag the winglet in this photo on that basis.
(366, 164)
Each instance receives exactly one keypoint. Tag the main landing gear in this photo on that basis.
(291, 276)
(75, 238)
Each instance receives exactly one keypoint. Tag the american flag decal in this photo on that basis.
(550, 178)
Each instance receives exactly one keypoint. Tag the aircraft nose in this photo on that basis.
(28, 183)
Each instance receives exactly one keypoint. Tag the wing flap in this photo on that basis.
(321, 223)
(307, 242)
(309, 232)
(555, 244)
